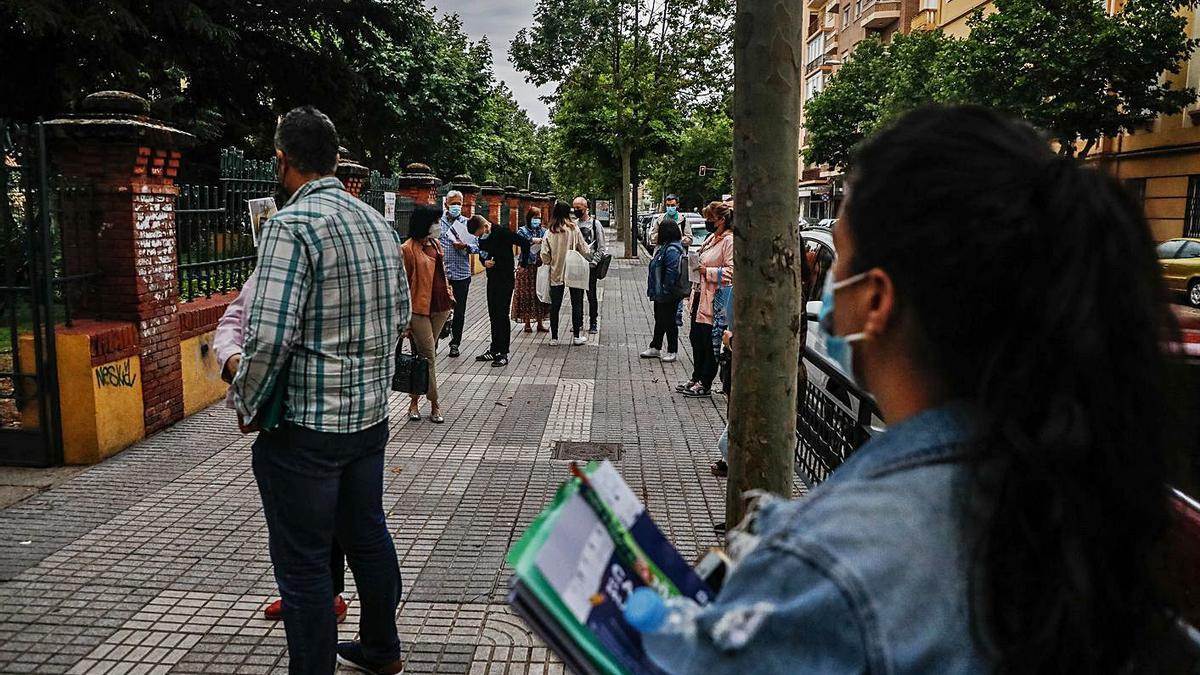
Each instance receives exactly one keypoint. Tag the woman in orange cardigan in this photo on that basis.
(432, 297)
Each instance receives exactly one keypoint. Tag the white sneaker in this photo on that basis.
(553, 342)
(651, 353)
(670, 358)
(581, 340)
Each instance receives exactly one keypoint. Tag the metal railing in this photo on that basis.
(213, 237)
(834, 418)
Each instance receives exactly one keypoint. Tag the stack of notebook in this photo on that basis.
(578, 563)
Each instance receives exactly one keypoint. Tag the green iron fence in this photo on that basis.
(214, 238)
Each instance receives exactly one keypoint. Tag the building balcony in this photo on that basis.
(926, 19)
(824, 63)
(880, 14)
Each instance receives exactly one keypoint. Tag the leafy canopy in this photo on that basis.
(1066, 66)
(401, 83)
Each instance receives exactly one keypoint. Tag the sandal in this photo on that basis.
(528, 328)
(699, 391)
(436, 416)
(681, 388)
(414, 414)
(719, 468)
(542, 329)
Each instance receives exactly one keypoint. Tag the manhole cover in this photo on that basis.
(587, 452)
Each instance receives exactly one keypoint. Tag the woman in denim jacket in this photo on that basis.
(1004, 306)
(665, 268)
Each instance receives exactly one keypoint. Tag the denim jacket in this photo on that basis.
(664, 271)
(868, 574)
(529, 258)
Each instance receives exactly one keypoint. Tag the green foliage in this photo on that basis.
(401, 83)
(1087, 75)
(626, 74)
(505, 145)
(1066, 66)
(706, 140)
(877, 83)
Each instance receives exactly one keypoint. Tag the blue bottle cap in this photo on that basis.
(645, 610)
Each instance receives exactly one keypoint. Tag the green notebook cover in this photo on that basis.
(523, 559)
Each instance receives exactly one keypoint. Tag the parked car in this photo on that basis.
(1180, 260)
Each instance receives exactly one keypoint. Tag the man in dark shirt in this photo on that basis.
(497, 244)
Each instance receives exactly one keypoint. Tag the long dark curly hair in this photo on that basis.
(1035, 294)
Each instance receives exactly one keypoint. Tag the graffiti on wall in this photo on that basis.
(118, 374)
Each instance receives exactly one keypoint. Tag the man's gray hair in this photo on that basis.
(452, 193)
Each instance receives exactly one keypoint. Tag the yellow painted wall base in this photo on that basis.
(102, 408)
(202, 383)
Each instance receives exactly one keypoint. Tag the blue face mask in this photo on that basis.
(535, 223)
(455, 210)
(838, 346)
(673, 212)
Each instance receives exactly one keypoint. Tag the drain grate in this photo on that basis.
(587, 452)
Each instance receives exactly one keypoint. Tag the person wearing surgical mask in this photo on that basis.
(459, 244)
(1015, 516)
(671, 212)
(526, 307)
(432, 299)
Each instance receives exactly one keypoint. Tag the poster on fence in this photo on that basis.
(260, 210)
(389, 206)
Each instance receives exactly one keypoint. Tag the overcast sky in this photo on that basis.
(500, 20)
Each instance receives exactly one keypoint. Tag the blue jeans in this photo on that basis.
(316, 486)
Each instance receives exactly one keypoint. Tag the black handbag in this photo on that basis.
(447, 327)
(412, 372)
(603, 265)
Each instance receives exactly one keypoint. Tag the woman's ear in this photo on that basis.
(880, 302)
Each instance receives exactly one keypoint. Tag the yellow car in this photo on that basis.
(1180, 260)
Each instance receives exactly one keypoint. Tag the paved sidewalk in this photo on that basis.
(156, 561)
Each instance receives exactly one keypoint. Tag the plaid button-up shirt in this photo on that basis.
(458, 262)
(332, 295)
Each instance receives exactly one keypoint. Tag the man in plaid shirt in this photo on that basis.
(330, 305)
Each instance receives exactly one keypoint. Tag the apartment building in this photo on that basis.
(832, 30)
(949, 15)
(1160, 164)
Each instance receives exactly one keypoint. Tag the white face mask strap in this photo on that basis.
(849, 281)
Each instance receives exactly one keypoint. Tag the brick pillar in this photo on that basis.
(547, 206)
(470, 190)
(131, 162)
(493, 194)
(419, 184)
(352, 174)
(513, 198)
(527, 202)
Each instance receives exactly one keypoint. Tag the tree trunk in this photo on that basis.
(626, 227)
(619, 199)
(767, 287)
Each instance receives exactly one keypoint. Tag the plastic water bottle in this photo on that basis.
(650, 614)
